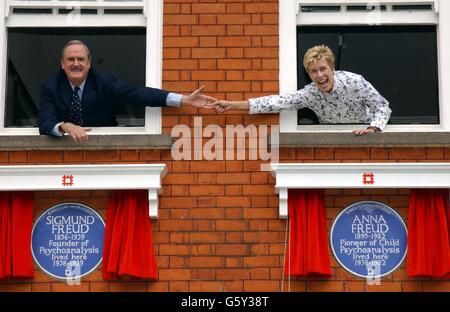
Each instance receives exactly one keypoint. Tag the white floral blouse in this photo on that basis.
(352, 100)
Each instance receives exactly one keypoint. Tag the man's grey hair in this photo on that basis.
(75, 42)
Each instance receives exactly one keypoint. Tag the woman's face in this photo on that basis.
(322, 75)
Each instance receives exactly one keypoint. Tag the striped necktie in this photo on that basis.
(75, 108)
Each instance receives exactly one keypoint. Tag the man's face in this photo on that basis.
(322, 75)
(75, 63)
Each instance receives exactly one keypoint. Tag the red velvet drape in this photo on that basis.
(307, 253)
(128, 246)
(16, 220)
(428, 233)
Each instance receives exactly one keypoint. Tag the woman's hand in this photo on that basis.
(222, 106)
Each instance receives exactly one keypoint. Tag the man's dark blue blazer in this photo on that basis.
(102, 93)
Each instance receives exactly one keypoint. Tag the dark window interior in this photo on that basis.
(399, 61)
(34, 56)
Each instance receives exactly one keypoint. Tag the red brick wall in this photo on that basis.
(218, 226)
(229, 46)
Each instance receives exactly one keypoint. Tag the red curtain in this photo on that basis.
(16, 220)
(428, 234)
(128, 246)
(307, 253)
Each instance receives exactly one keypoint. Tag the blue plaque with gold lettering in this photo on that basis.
(369, 239)
(67, 240)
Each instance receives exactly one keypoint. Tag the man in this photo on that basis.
(334, 96)
(78, 97)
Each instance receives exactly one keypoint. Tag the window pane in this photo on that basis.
(399, 61)
(34, 55)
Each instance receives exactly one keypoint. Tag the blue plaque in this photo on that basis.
(67, 240)
(369, 239)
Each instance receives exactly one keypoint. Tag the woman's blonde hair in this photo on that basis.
(317, 53)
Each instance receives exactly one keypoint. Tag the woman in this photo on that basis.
(335, 96)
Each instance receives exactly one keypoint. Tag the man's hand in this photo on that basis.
(77, 133)
(197, 99)
(367, 130)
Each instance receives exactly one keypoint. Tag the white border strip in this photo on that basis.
(86, 177)
(151, 19)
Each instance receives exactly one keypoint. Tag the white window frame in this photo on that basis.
(86, 177)
(152, 19)
(290, 18)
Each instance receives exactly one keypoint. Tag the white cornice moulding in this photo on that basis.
(86, 177)
(360, 175)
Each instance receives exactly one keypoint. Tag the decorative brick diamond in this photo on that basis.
(368, 179)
